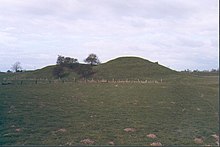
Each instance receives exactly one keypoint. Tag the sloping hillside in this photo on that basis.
(131, 68)
(47, 73)
(44, 73)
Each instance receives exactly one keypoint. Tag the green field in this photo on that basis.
(178, 110)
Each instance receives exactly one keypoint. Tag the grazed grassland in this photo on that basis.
(177, 111)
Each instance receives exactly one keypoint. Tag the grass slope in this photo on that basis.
(44, 73)
(47, 73)
(132, 68)
(177, 111)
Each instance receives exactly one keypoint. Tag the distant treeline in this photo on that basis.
(201, 71)
(213, 72)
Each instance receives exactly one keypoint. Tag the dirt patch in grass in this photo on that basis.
(156, 144)
(198, 140)
(151, 136)
(216, 139)
(62, 130)
(69, 143)
(173, 102)
(87, 141)
(129, 129)
(111, 143)
(18, 129)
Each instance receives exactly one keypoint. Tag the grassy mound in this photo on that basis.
(132, 68)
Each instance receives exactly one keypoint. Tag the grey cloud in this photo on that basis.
(183, 29)
(190, 42)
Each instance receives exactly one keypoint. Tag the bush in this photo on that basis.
(85, 70)
(58, 71)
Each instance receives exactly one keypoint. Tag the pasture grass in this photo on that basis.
(177, 111)
(131, 68)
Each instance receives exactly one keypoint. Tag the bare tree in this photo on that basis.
(16, 67)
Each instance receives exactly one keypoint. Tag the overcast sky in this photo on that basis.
(180, 34)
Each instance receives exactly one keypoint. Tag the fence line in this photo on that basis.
(44, 81)
(122, 81)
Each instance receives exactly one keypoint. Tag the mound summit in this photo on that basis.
(131, 68)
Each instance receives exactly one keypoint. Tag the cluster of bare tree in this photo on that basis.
(16, 67)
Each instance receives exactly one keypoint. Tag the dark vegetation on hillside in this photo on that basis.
(66, 65)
